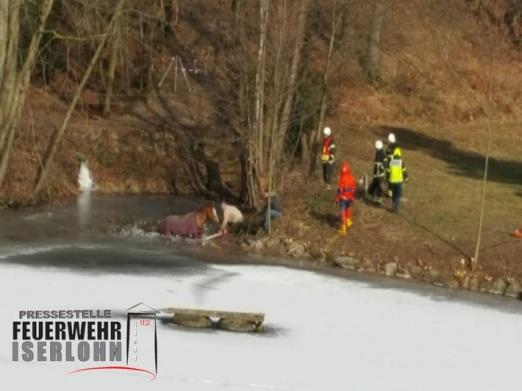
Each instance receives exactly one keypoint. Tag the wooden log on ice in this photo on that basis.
(194, 321)
(226, 320)
(241, 325)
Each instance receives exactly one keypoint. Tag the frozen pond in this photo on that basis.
(322, 332)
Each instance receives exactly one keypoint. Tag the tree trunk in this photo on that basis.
(477, 4)
(295, 62)
(15, 80)
(7, 152)
(113, 63)
(4, 18)
(324, 92)
(475, 259)
(57, 135)
(373, 56)
(8, 92)
(300, 30)
(279, 75)
(256, 142)
(277, 65)
(305, 145)
(260, 82)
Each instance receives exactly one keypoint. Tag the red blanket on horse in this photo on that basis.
(185, 226)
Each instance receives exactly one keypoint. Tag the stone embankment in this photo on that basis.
(461, 278)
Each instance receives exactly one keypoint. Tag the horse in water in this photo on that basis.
(189, 225)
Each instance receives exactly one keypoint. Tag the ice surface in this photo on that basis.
(322, 333)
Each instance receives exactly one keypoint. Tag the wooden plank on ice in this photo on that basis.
(229, 320)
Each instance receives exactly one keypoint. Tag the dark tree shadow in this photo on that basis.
(213, 182)
(460, 162)
(170, 112)
(190, 148)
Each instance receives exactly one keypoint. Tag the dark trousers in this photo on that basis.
(375, 188)
(327, 172)
(396, 189)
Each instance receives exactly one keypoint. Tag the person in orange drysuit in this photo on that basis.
(345, 196)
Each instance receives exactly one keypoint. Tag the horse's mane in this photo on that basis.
(204, 208)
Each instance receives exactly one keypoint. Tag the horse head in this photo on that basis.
(211, 213)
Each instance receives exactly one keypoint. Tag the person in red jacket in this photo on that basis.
(345, 196)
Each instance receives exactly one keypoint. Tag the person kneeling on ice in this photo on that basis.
(345, 196)
(231, 215)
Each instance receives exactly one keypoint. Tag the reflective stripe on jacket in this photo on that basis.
(378, 170)
(346, 193)
(378, 164)
(327, 155)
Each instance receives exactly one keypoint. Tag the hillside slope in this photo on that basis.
(440, 61)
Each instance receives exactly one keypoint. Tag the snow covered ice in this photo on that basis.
(322, 332)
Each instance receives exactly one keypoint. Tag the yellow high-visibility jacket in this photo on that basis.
(397, 171)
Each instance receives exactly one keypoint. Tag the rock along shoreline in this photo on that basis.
(301, 254)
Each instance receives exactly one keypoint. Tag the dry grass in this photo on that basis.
(438, 220)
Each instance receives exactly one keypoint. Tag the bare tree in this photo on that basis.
(256, 143)
(268, 109)
(315, 136)
(113, 63)
(373, 55)
(475, 259)
(300, 27)
(15, 79)
(59, 132)
(4, 18)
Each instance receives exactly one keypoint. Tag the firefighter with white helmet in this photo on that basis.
(392, 146)
(375, 190)
(328, 155)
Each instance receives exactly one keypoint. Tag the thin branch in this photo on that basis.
(58, 35)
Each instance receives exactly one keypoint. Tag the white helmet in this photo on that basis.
(327, 131)
(378, 144)
(391, 138)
